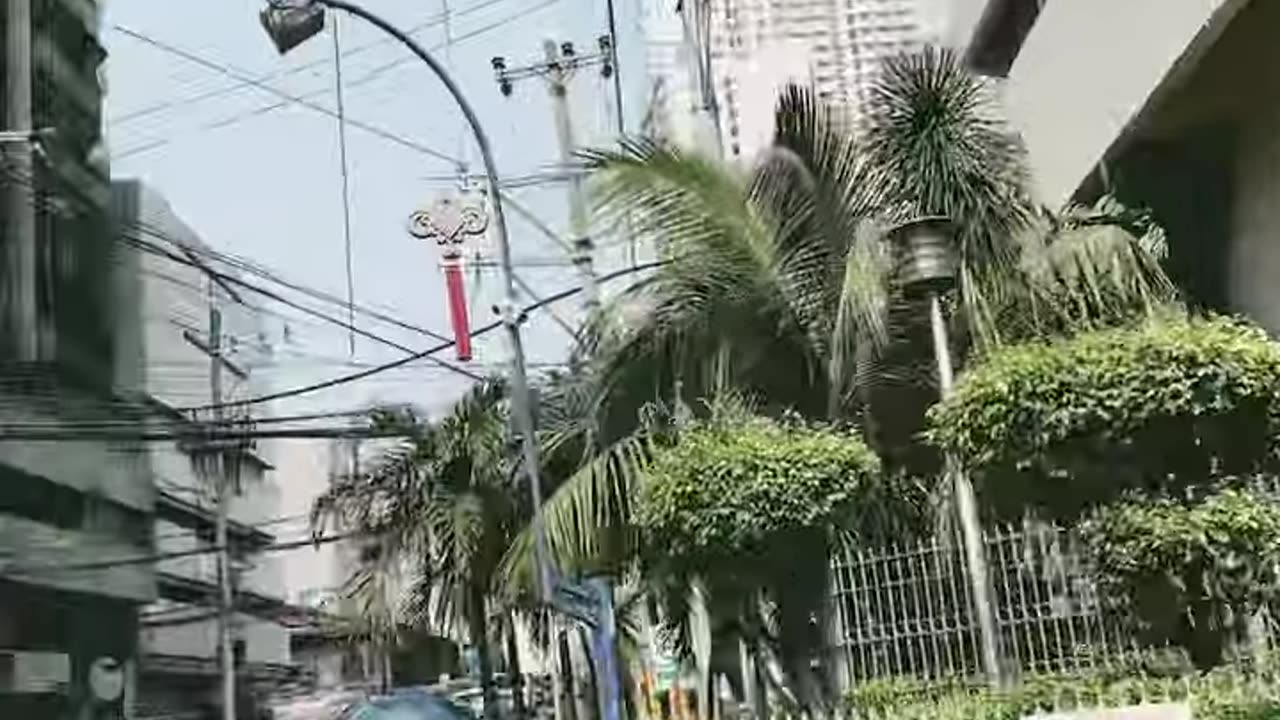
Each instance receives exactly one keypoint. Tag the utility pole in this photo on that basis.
(18, 230)
(557, 68)
(558, 75)
(226, 659)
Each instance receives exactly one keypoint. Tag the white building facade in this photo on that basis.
(759, 46)
(176, 299)
(1170, 105)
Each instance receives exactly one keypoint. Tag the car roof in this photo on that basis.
(406, 705)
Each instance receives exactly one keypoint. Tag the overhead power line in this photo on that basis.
(353, 377)
(258, 270)
(18, 568)
(427, 24)
(428, 352)
(298, 99)
(115, 424)
(231, 438)
(304, 98)
(151, 247)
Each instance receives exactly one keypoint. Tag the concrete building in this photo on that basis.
(315, 577)
(758, 46)
(75, 509)
(1169, 104)
(327, 651)
(673, 101)
(174, 296)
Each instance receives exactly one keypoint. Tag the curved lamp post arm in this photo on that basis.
(520, 395)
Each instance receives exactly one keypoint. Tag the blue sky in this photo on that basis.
(259, 177)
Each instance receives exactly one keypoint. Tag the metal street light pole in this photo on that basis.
(292, 22)
(20, 313)
(928, 267)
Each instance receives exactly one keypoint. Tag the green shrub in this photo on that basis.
(729, 495)
(1071, 424)
(1193, 572)
(1213, 696)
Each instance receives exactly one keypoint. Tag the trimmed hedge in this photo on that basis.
(1191, 572)
(1067, 425)
(729, 494)
(1221, 695)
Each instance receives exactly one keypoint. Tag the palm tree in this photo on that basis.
(440, 508)
(779, 284)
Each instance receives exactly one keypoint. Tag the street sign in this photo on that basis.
(591, 603)
(610, 688)
(579, 601)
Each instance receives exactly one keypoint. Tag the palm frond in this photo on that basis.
(730, 283)
(1087, 268)
(811, 178)
(439, 508)
(587, 511)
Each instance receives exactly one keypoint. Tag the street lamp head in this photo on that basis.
(289, 24)
(926, 257)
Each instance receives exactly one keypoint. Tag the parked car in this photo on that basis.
(405, 705)
(410, 703)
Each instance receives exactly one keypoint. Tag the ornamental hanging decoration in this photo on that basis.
(450, 221)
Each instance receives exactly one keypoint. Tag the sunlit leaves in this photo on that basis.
(1169, 404)
(1190, 570)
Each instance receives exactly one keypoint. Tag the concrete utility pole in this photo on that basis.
(557, 68)
(226, 659)
(18, 230)
(558, 75)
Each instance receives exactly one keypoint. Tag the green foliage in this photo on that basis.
(749, 510)
(935, 144)
(1192, 573)
(734, 494)
(1168, 405)
(439, 507)
(1223, 695)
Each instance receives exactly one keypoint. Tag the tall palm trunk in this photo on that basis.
(478, 628)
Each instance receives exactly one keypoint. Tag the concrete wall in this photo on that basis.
(112, 470)
(309, 573)
(1253, 268)
(1088, 67)
(30, 546)
(264, 642)
(958, 19)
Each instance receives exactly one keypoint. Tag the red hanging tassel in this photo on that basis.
(458, 308)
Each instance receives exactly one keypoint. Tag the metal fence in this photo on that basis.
(906, 610)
